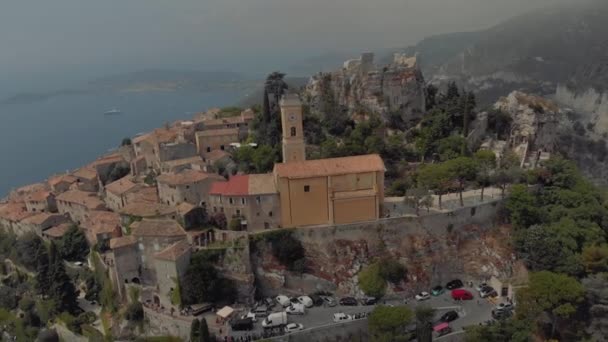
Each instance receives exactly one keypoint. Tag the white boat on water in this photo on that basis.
(112, 112)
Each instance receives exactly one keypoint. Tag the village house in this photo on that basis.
(19, 194)
(171, 264)
(40, 222)
(141, 210)
(242, 122)
(162, 145)
(154, 236)
(77, 204)
(215, 140)
(219, 158)
(191, 186)
(101, 226)
(175, 166)
(56, 232)
(109, 167)
(86, 179)
(252, 199)
(124, 262)
(116, 193)
(61, 183)
(41, 201)
(11, 213)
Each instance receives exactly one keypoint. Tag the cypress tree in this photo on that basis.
(61, 290)
(42, 271)
(204, 331)
(194, 330)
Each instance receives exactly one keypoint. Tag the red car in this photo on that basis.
(460, 294)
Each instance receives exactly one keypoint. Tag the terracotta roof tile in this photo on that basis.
(122, 241)
(58, 231)
(142, 209)
(330, 167)
(216, 155)
(185, 177)
(39, 218)
(38, 196)
(183, 161)
(143, 194)
(237, 185)
(100, 222)
(14, 211)
(185, 207)
(86, 172)
(108, 159)
(67, 178)
(218, 132)
(87, 199)
(166, 228)
(262, 184)
(121, 186)
(175, 251)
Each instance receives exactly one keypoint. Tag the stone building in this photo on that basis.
(215, 140)
(152, 237)
(242, 122)
(125, 266)
(61, 183)
(77, 204)
(116, 193)
(294, 148)
(175, 166)
(86, 179)
(251, 198)
(41, 201)
(142, 210)
(40, 222)
(171, 264)
(11, 213)
(189, 186)
(56, 232)
(101, 226)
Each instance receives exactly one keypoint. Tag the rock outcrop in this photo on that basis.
(361, 87)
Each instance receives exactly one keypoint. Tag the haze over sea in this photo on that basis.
(65, 132)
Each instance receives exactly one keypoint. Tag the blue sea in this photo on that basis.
(68, 131)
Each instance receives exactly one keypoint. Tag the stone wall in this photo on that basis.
(160, 324)
(467, 243)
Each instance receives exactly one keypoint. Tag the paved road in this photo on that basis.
(471, 312)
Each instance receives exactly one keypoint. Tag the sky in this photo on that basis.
(82, 37)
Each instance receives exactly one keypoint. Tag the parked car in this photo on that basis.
(348, 301)
(342, 317)
(275, 319)
(329, 301)
(442, 329)
(487, 291)
(316, 299)
(480, 286)
(437, 290)
(296, 309)
(460, 294)
(368, 300)
(306, 301)
(502, 314)
(283, 300)
(449, 316)
(454, 284)
(260, 311)
(250, 315)
(504, 306)
(269, 302)
(423, 296)
(291, 327)
(294, 300)
(242, 324)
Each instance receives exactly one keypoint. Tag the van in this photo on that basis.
(276, 319)
(242, 324)
(283, 301)
(295, 309)
(460, 294)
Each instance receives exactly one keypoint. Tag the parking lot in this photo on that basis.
(471, 312)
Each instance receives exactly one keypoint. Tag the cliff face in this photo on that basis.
(361, 87)
(465, 244)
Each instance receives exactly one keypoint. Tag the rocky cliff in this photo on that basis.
(467, 243)
(361, 87)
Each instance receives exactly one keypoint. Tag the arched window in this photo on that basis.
(293, 131)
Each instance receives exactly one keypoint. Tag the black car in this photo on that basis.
(368, 300)
(348, 301)
(498, 315)
(242, 324)
(454, 284)
(316, 299)
(449, 316)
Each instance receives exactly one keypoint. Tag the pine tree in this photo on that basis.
(194, 330)
(61, 288)
(204, 331)
(42, 270)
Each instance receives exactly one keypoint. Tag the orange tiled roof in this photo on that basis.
(143, 209)
(173, 252)
(86, 172)
(143, 194)
(14, 211)
(149, 227)
(121, 186)
(242, 185)
(39, 218)
(87, 199)
(62, 178)
(122, 241)
(185, 207)
(38, 196)
(185, 177)
(330, 167)
(58, 231)
(218, 132)
(100, 222)
(183, 161)
(108, 159)
(216, 155)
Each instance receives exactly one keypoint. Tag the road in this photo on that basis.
(471, 312)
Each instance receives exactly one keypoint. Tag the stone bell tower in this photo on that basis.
(294, 148)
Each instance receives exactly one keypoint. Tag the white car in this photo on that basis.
(250, 315)
(423, 296)
(291, 327)
(295, 309)
(283, 301)
(306, 301)
(342, 317)
(78, 264)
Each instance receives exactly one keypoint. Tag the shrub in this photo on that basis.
(135, 312)
(371, 281)
(392, 271)
(287, 249)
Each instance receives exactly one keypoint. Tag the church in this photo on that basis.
(306, 192)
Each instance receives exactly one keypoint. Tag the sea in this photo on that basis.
(65, 132)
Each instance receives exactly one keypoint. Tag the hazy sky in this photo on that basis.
(100, 35)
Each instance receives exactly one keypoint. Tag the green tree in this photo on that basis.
(486, 161)
(62, 291)
(73, 245)
(391, 270)
(287, 249)
(522, 207)
(425, 316)
(451, 147)
(434, 177)
(235, 224)
(371, 280)
(389, 324)
(135, 312)
(556, 295)
(27, 249)
(204, 335)
(194, 330)
(8, 297)
(42, 278)
(202, 282)
(510, 330)
(595, 258)
(461, 169)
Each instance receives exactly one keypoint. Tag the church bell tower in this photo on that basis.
(294, 148)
